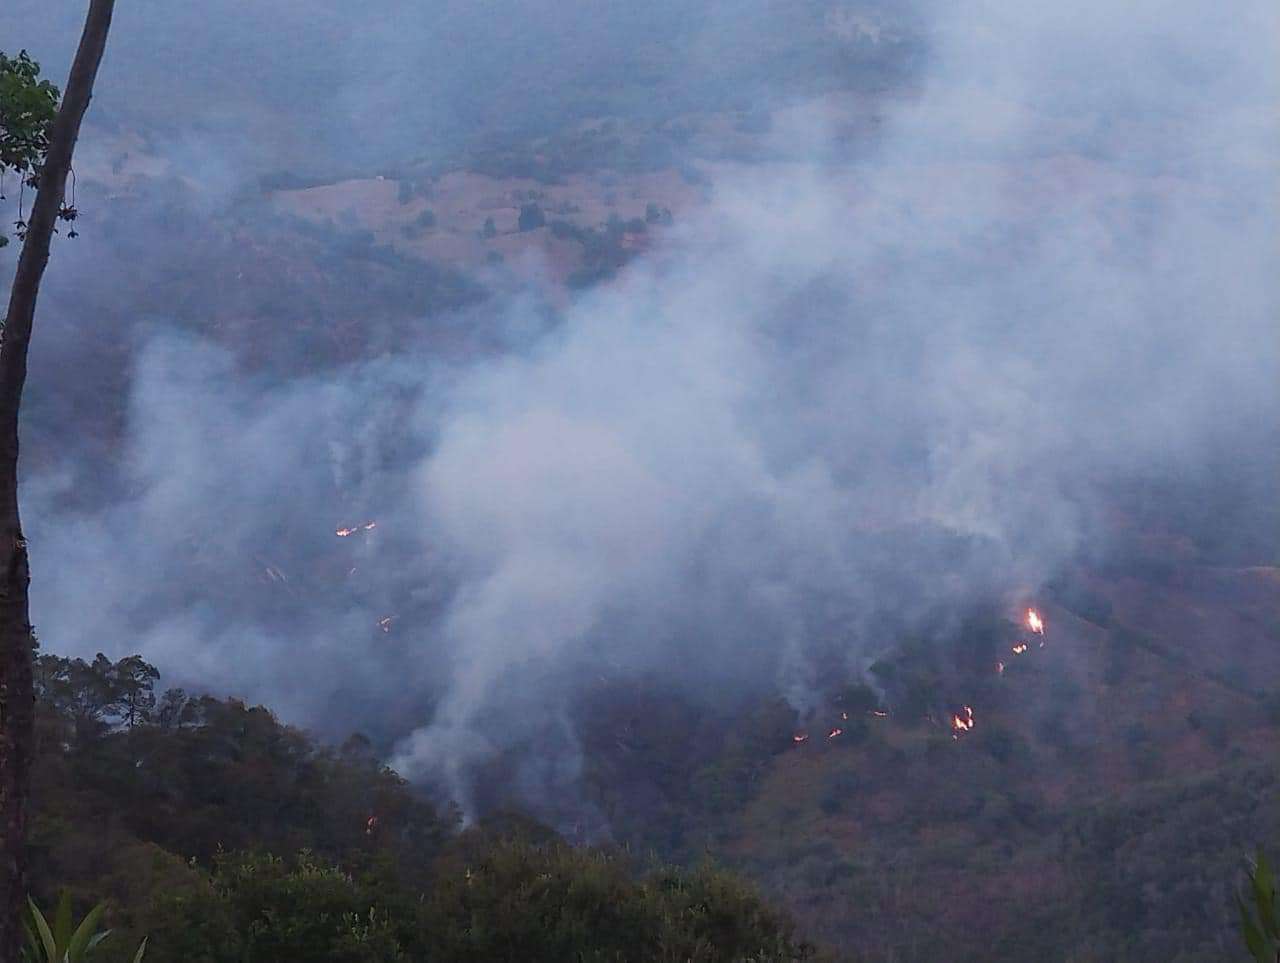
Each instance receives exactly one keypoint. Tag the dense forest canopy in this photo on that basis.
(171, 805)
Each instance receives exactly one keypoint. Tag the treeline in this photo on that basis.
(225, 836)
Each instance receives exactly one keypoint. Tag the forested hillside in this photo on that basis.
(1088, 816)
(223, 835)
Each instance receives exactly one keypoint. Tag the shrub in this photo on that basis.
(531, 217)
(1260, 912)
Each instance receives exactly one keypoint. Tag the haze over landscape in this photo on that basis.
(663, 420)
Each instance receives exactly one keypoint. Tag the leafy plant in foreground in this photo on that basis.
(59, 943)
(1260, 912)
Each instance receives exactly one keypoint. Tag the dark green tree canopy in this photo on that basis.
(27, 107)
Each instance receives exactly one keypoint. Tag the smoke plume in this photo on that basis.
(864, 387)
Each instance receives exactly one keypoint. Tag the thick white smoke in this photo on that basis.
(1055, 272)
(847, 397)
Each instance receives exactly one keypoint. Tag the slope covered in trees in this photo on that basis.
(1100, 806)
(223, 835)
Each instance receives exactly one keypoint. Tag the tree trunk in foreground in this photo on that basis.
(17, 700)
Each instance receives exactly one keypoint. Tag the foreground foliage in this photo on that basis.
(1260, 912)
(227, 837)
(62, 941)
(27, 106)
(491, 899)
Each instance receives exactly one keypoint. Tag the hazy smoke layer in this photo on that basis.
(317, 89)
(846, 401)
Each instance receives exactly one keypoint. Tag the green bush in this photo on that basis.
(492, 899)
(61, 941)
(1260, 912)
(531, 217)
(259, 907)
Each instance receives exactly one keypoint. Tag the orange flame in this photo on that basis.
(835, 732)
(962, 721)
(800, 737)
(344, 532)
(1020, 648)
(1034, 622)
